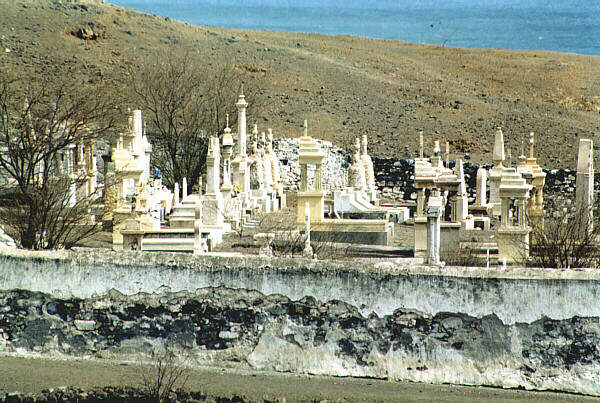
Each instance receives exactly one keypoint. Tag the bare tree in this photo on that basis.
(164, 376)
(184, 102)
(40, 121)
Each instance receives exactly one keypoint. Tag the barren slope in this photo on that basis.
(343, 85)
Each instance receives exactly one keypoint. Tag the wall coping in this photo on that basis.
(219, 261)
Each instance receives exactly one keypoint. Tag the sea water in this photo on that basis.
(557, 25)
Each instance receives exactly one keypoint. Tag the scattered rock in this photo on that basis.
(85, 33)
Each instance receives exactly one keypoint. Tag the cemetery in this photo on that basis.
(292, 254)
(441, 209)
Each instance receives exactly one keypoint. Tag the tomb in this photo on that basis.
(495, 174)
(432, 177)
(130, 190)
(378, 230)
(513, 233)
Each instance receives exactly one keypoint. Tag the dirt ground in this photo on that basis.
(30, 375)
(343, 85)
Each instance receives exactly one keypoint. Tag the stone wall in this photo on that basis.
(246, 329)
(514, 295)
(529, 328)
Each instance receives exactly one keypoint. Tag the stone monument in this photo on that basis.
(584, 194)
(495, 173)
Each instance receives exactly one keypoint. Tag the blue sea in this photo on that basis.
(558, 25)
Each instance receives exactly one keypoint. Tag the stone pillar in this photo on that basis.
(480, 196)
(318, 177)
(434, 214)
(521, 218)
(496, 171)
(369, 171)
(137, 124)
(462, 200)
(227, 151)
(584, 196)
(308, 250)
(213, 163)
(176, 194)
(420, 203)
(185, 189)
(303, 177)
(198, 244)
(241, 106)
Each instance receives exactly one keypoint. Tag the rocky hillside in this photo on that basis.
(343, 85)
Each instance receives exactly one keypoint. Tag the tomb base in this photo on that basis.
(513, 244)
(420, 227)
(316, 202)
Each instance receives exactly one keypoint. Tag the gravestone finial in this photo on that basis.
(531, 142)
(227, 120)
(305, 128)
(498, 154)
(436, 148)
(420, 143)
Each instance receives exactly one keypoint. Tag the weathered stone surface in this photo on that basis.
(242, 328)
(514, 295)
(85, 325)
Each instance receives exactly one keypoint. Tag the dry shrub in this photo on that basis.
(163, 376)
(461, 257)
(565, 240)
